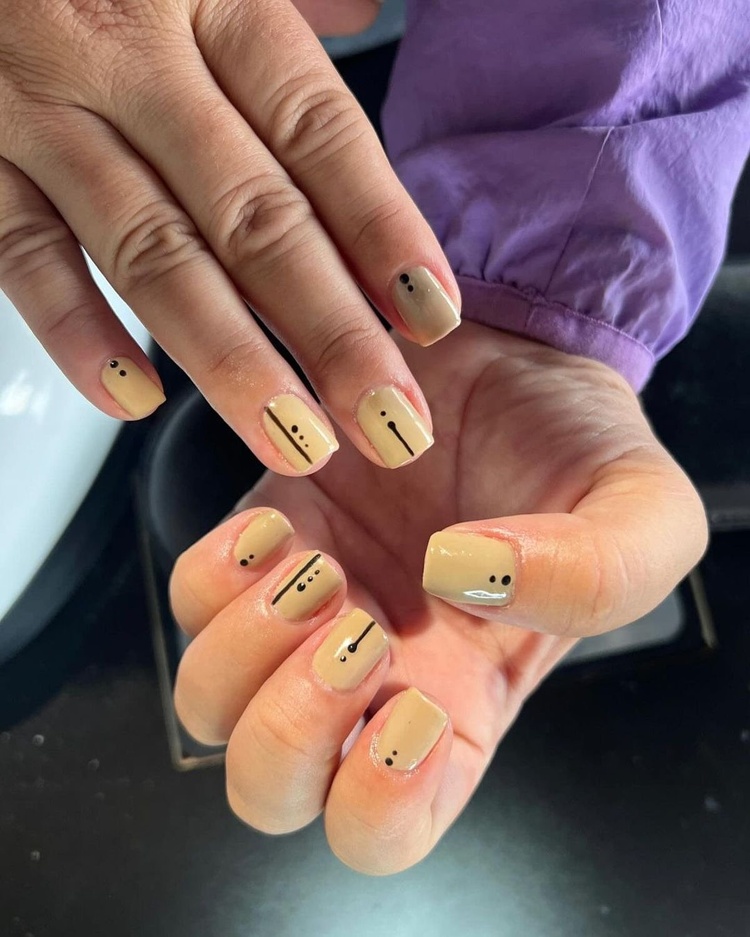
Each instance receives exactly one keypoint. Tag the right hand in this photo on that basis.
(553, 490)
(206, 153)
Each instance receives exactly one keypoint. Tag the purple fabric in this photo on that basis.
(577, 160)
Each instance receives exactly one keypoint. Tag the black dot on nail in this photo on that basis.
(317, 572)
(382, 412)
(410, 288)
(389, 761)
(302, 437)
(301, 587)
(505, 580)
(394, 753)
(493, 578)
(342, 659)
(252, 556)
(123, 373)
(309, 578)
(391, 424)
(243, 562)
(306, 446)
(295, 428)
(114, 364)
(404, 278)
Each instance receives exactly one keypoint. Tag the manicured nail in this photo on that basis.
(411, 731)
(350, 651)
(469, 568)
(301, 438)
(395, 429)
(424, 305)
(131, 387)
(307, 588)
(264, 535)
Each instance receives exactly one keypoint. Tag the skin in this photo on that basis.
(208, 156)
(555, 451)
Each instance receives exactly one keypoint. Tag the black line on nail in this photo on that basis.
(288, 435)
(291, 582)
(353, 646)
(394, 429)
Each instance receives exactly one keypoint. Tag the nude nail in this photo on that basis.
(424, 305)
(307, 588)
(411, 731)
(395, 429)
(264, 535)
(350, 651)
(301, 438)
(469, 568)
(131, 387)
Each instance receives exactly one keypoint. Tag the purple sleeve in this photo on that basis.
(577, 160)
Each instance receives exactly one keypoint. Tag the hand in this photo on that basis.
(206, 153)
(597, 522)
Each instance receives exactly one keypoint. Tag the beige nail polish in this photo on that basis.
(424, 305)
(410, 731)
(469, 568)
(393, 426)
(131, 387)
(301, 438)
(264, 535)
(306, 589)
(350, 651)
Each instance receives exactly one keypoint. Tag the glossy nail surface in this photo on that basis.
(424, 305)
(411, 731)
(301, 438)
(306, 589)
(350, 651)
(469, 568)
(397, 432)
(264, 535)
(131, 387)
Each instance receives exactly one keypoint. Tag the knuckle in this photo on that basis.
(232, 366)
(27, 242)
(259, 225)
(306, 121)
(154, 245)
(376, 223)
(613, 580)
(279, 731)
(343, 345)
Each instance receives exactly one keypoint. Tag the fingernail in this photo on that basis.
(393, 426)
(263, 536)
(411, 731)
(301, 438)
(307, 588)
(424, 305)
(131, 387)
(350, 651)
(469, 568)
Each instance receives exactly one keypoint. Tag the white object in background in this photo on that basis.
(53, 443)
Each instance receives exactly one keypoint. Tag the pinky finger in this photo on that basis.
(44, 274)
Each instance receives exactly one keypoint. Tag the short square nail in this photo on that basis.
(264, 535)
(394, 428)
(470, 569)
(131, 387)
(411, 731)
(350, 651)
(424, 305)
(297, 433)
(306, 589)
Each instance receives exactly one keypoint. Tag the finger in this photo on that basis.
(44, 274)
(306, 116)
(227, 663)
(401, 761)
(266, 235)
(338, 17)
(151, 253)
(287, 745)
(615, 557)
(222, 565)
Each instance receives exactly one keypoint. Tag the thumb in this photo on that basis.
(626, 544)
